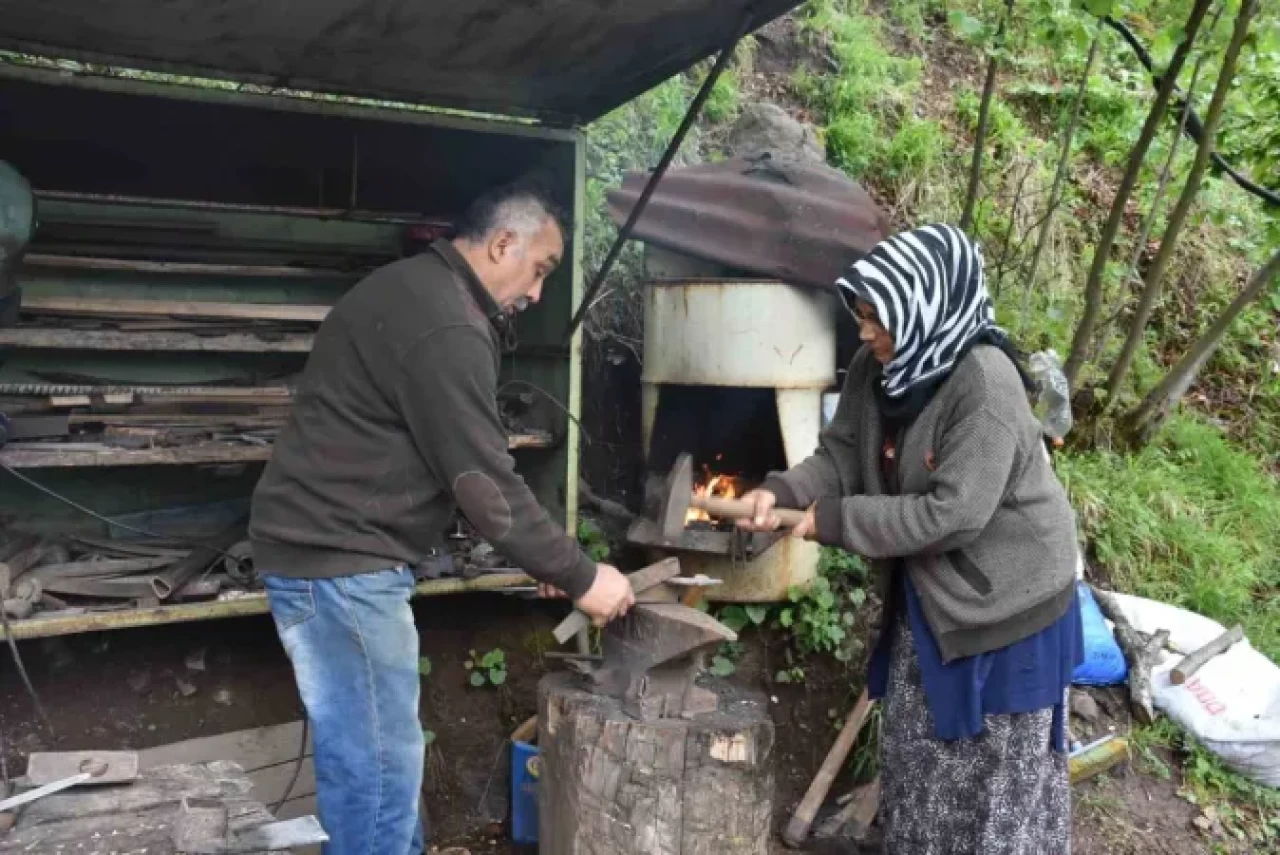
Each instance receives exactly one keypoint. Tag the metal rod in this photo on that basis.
(690, 116)
(46, 790)
(400, 218)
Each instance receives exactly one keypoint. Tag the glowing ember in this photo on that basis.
(711, 484)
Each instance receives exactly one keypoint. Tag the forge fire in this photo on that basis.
(714, 484)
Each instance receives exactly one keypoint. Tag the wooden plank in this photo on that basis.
(258, 748)
(56, 338)
(302, 806)
(90, 455)
(190, 268)
(269, 783)
(50, 624)
(160, 786)
(205, 453)
(109, 307)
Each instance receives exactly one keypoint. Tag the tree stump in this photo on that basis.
(613, 785)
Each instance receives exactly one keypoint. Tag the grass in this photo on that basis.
(1190, 520)
(1247, 811)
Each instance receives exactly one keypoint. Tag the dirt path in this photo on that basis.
(134, 689)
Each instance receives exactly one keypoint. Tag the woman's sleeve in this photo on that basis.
(974, 462)
(818, 476)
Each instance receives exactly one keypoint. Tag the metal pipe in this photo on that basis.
(690, 116)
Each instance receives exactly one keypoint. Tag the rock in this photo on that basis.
(195, 660)
(224, 697)
(139, 680)
(185, 688)
(766, 127)
(1085, 708)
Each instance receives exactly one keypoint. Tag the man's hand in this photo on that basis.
(762, 516)
(609, 597)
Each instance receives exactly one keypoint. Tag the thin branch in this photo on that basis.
(1064, 159)
(1155, 273)
(984, 118)
(1160, 401)
(1102, 254)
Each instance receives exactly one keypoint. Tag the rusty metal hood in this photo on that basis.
(563, 60)
(801, 223)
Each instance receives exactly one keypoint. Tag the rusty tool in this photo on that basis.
(53, 772)
(642, 580)
(679, 498)
(651, 661)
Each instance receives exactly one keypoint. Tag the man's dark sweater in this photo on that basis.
(395, 425)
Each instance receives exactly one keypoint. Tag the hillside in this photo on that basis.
(1179, 509)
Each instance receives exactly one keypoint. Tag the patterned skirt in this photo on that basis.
(1004, 792)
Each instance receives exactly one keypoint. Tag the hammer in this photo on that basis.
(679, 498)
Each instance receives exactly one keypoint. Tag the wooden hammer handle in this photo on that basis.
(740, 509)
(798, 828)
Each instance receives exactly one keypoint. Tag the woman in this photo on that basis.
(934, 467)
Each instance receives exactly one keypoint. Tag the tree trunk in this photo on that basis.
(1093, 286)
(614, 784)
(1152, 286)
(1064, 159)
(1144, 421)
(1103, 338)
(984, 117)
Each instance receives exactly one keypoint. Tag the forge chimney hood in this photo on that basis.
(565, 62)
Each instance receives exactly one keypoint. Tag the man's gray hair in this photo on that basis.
(522, 207)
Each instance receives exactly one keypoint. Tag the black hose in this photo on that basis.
(22, 672)
(1194, 125)
(297, 769)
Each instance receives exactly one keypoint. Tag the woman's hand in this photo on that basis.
(762, 516)
(808, 527)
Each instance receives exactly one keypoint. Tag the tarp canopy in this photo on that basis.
(564, 61)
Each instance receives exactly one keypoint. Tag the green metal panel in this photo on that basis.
(542, 358)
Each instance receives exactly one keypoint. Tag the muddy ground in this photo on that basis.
(132, 689)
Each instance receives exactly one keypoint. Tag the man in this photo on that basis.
(395, 426)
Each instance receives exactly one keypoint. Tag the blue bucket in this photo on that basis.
(526, 767)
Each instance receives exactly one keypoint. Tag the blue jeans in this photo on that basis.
(354, 649)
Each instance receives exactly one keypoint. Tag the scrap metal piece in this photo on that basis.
(201, 829)
(107, 767)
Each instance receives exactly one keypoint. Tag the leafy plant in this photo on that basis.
(424, 666)
(593, 540)
(488, 669)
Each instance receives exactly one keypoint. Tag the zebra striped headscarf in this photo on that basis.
(929, 291)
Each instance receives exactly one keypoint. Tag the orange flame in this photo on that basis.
(711, 484)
